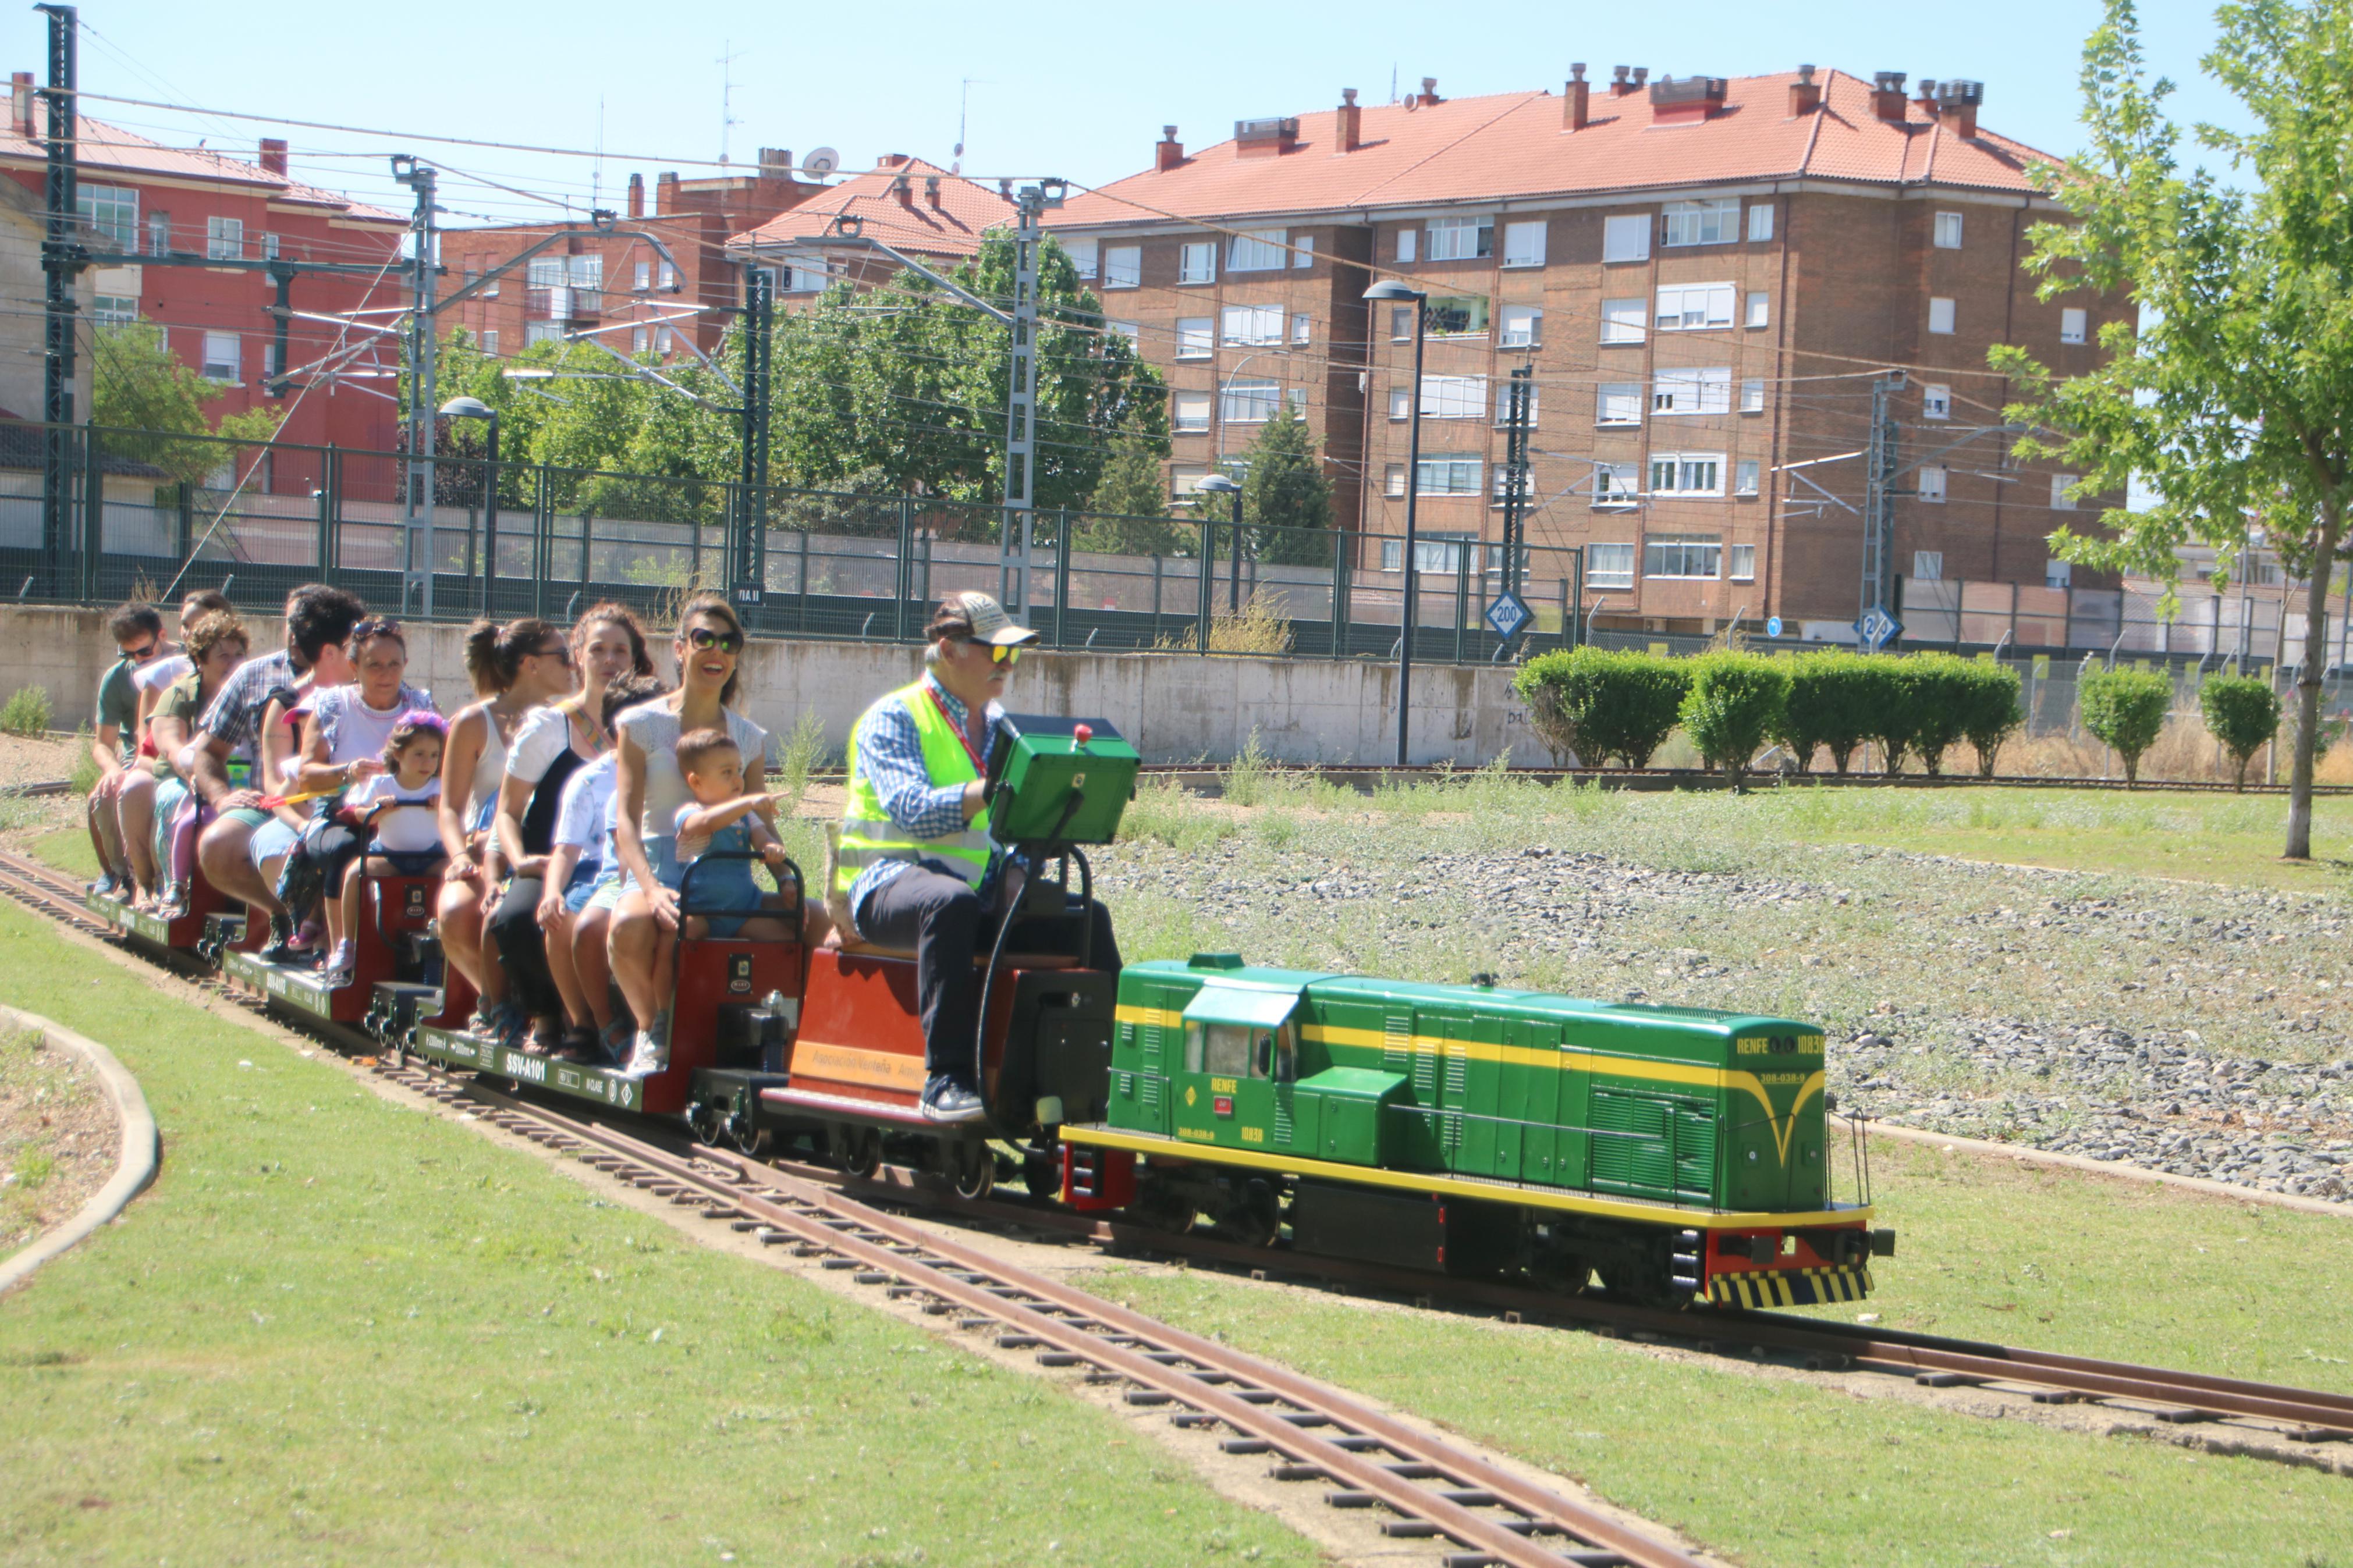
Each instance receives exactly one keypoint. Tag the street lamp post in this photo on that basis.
(475, 408)
(1219, 485)
(1390, 290)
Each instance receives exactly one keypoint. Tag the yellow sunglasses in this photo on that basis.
(1006, 654)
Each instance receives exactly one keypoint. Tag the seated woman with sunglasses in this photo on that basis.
(914, 868)
(138, 632)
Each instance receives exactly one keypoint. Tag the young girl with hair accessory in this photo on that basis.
(399, 807)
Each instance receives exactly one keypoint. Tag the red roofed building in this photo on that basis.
(144, 200)
(1706, 276)
(912, 206)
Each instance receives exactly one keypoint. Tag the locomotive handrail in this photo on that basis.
(799, 888)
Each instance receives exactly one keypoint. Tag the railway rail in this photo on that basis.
(765, 1195)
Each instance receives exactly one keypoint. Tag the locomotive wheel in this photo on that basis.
(703, 1119)
(1164, 1208)
(747, 1139)
(1562, 1273)
(972, 1170)
(859, 1150)
(1255, 1219)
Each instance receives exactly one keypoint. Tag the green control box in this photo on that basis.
(1038, 765)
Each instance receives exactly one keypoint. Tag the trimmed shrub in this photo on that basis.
(1993, 712)
(2126, 709)
(1734, 704)
(1938, 687)
(1825, 706)
(26, 711)
(1887, 712)
(2241, 712)
(1601, 703)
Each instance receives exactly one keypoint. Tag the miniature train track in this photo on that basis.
(814, 1192)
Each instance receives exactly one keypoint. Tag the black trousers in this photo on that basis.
(941, 919)
(523, 949)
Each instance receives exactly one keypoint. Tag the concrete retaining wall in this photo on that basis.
(1173, 707)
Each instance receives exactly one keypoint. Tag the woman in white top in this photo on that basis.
(648, 791)
(516, 668)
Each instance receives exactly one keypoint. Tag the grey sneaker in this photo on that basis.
(945, 1099)
(649, 1057)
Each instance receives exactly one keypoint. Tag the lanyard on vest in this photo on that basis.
(962, 739)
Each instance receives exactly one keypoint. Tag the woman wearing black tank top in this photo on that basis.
(549, 746)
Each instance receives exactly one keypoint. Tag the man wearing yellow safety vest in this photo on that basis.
(916, 870)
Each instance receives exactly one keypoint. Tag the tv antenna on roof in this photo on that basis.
(964, 116)
(727, 120)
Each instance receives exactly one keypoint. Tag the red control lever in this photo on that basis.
(1082, 734)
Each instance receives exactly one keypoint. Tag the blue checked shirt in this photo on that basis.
(890, 754)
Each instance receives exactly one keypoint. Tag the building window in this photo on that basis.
(1393, 549)
(1462, 238)
(113, 210)
(1503, 402)
(665, 275)
(1618, 485)
(1694, 306)
(1133, 331)
(269, 247)
(1453, 396)
(223, 240)
(1682, 556)
(643, 277)
(1702, 223)
(1524, 244)
(1624, 320)
(1521, 324)
(802, 275)
(1190, 412)
(474, 275)
(1123, 266)
(1940, 315)
(639, 339)
(1626, 238)
(1253, 325)
(1458, 316)
(1193, 337)
(1681, 392)
(542, 332)
(2073, 322)
(1927, 565)
(1393, 479)
(1249, 401)
(586, 274)
(221, 356)
(1256, 250)
(544, 292)
(159, 234)
(1185, 479)
(1935, 401)
(1740, 565)
(2058, 574)
(115, 309)
(1083, 254)
(1502, 489)
(1400, 405)
(1297, 397)
(1197, 262)
(1448, 476)
(1948, 231)
(1752, 395)
(1609, 565)
(1744, 476)
(1303, 327)
(1932, 483)
(1447, 554)
(1760, 309)
(1760, 222)
(1409, 244)
(2060, 499)
(1618, 403)
(1302, 250)
(490, 341)
(1687, 474)
(1400, 323)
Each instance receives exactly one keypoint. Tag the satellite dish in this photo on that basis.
(821, 163)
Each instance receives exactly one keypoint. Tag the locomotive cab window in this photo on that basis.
(1242, 1050)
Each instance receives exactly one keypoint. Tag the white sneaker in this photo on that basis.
(646, 1057)
(341, 964)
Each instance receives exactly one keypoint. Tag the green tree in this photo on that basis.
(2126, 709)
(2230, 399)
(1734, 702)
(2242, 713)
(1602, 703)
(1286, 496)
(1128, 513)
(138, 383)
(1992, 714)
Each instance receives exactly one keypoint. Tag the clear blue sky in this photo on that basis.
(1077, 91)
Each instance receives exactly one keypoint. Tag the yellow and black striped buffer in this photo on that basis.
(1790, 1287)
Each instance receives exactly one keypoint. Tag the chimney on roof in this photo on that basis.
(1005, 189)
(1575, 99)
(274, 156)
(1642, 75)
(776, 162)
(903, 190)
(1694, 98)
(932, 191)
(1888, 95)
(637, 196)
(1956, 105)
(890, 160)
(1348, 125)
(1805, 93)
(1618, 86)
(1429, 94)
(20, 103)
(665, 192)
(1167, 152)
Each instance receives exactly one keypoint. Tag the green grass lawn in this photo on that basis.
(336, 1329)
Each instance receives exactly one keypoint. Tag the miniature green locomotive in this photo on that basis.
(1682, 1153)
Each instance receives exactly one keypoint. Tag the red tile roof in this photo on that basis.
(966, 210)
(1509, 145)
(104, 150)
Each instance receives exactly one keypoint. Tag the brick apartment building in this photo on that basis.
(1706, 275)
(914, 207)
(140, 198)
(618, 285)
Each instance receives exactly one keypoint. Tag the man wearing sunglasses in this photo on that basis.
(138, 632)
(915, 869)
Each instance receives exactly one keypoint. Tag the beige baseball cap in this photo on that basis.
(979, 617)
